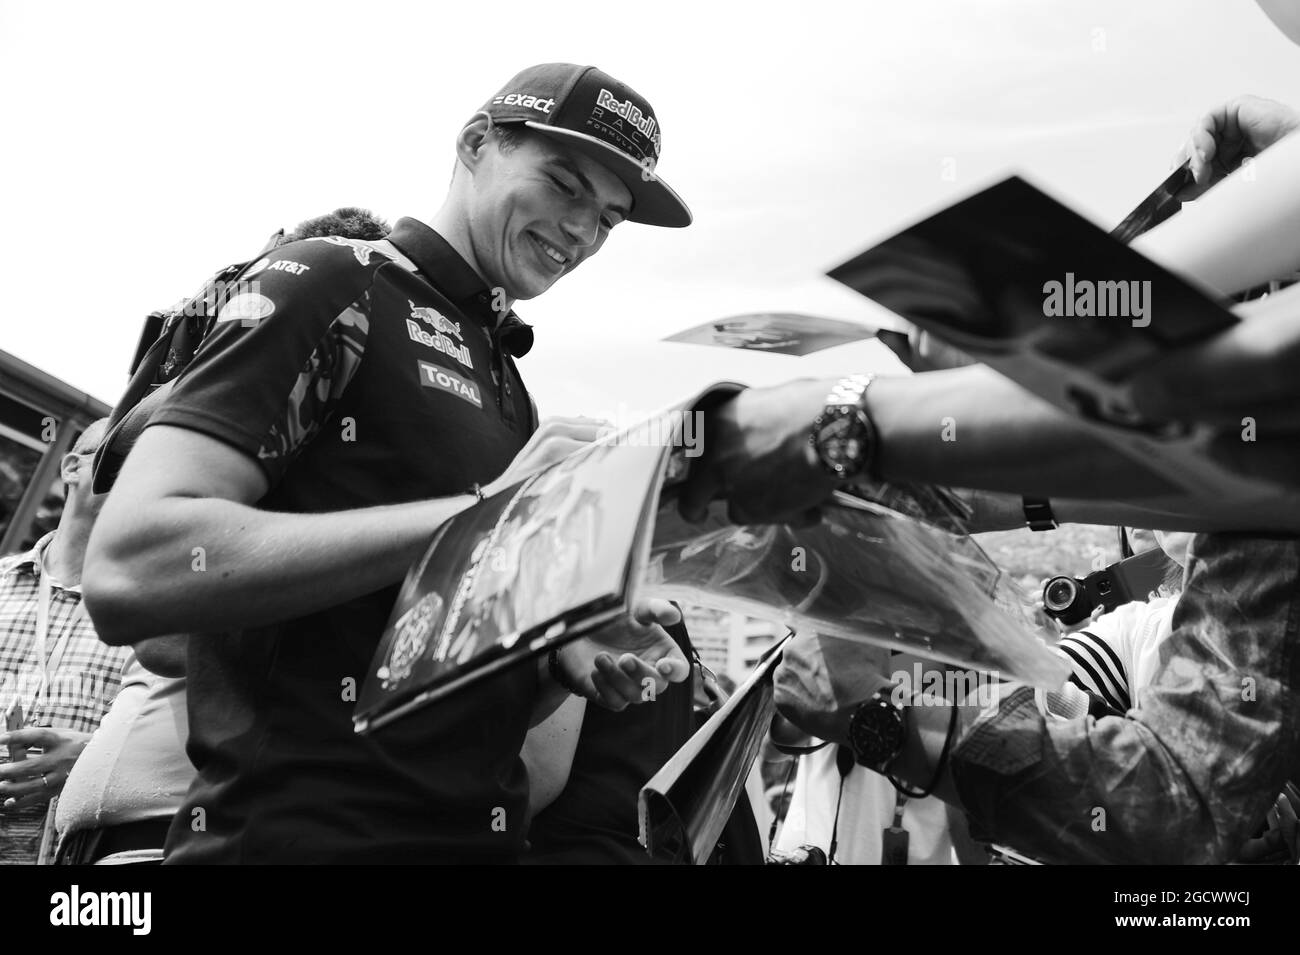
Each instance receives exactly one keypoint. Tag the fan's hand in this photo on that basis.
(628, 662)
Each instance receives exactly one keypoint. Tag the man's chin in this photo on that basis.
(532, 288)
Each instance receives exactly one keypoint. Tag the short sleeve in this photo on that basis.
(1099, 656)
(286, 342)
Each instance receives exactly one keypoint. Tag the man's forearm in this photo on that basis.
(995, 511)
(971, 427)
(550, 697)
(549, 749)
(206, 564)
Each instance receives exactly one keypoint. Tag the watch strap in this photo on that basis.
(848, 397)
(1038, 514)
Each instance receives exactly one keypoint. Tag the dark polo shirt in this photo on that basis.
(356, 374)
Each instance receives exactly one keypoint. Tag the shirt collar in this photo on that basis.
(443, 267)
(32, 559)
(31, 562)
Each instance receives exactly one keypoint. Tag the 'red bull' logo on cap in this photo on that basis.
(644, 123)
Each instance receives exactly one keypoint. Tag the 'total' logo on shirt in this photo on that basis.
(432, 376)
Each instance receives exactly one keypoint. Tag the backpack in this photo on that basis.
(168, 343)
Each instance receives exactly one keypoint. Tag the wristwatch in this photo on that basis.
(844, 437)
(877, 732)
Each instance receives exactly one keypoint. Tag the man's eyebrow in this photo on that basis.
(571, 168)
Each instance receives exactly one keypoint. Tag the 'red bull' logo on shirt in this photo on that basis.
(443, 328)
(439, 321)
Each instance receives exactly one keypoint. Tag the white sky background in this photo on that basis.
(146, 145)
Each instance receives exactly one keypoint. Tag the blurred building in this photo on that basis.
(730, 643)
(40, 417)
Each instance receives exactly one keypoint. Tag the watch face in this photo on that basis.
(876, 732)
(842, 440)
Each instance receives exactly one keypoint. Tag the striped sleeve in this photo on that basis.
(1097, 668)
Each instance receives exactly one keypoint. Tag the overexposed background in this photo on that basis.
(147, 144)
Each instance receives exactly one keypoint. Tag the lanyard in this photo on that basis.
(49, 663)
(894, 839)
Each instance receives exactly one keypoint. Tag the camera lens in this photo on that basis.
(1059, 593)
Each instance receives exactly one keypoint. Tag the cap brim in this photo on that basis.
(653, 201)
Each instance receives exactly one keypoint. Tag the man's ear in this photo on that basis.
(70, 469)
(473, 140)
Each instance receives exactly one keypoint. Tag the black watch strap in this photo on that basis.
(1038, 514)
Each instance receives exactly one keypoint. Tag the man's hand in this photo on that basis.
(1279, 843)
(1232, 132)
(821, 680)
(804, 694)
(757, 456)
(629, 662)
(554, 440)
(707, 691)
(32, 781)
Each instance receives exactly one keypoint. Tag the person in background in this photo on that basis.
(121, 796)
(56, 678)
(1117, 655)
(839, 805)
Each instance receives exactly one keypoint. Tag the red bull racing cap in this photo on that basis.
(596, 115)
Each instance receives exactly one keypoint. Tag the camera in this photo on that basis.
(1071, 599)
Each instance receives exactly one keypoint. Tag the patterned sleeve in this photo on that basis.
(1188, 776)
(285, 344)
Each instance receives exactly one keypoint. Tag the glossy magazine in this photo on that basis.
(572, 547)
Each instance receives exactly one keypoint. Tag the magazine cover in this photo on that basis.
(531, 567)
(782, 333)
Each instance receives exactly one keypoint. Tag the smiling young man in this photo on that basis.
(352, 396)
